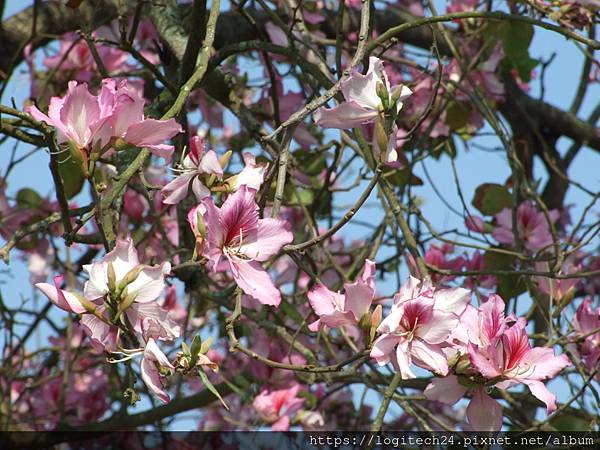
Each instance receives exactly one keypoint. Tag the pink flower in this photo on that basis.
(153, 367)
(587, 323)
(196, 163)
(512, 360)
(483, 326)
(135, 205)
(499, 353)
(475, 223)
(252, 175)
(438, 257)
(142, 283)
(532, 226)
(462, 5)
(483, 413)
(238, 239)
(362, 104)
(557, 288)
(128, 122)
(63, 299)
(335, 309)
(74, 56)
(90, 122)
(278, 407)
(477, 263)
(419, 323)
(78, 117)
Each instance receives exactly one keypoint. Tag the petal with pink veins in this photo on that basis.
(446, 390)
(430, 357)
(254, 280)
(484, 413)
(344, 116)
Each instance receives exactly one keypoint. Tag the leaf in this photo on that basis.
(195, 350)
(206, 345)
(566, 422)
(510, 285)
(73, 179)
(210, 387)
(402, 177)
(310, 163)
(457, 115)
(186, 349)
(491, 198)
(311, 399)
(196, 345)
(291, 312)
(28, 198)
(74, 3)
(516, 38)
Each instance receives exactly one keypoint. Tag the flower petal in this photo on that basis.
(484, 413)
(446, 390)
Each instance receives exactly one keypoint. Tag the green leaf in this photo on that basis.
(491, 198)
(195, 350)
(457, 115)
(516, 38)
(196, 345)
(206, 345)
(311, 399)
(309, 162)
(210, 387)
(511, 285)
(73, 179)
(566, 422)
(186, 349)
(28, 198)
(402, 177)
(290, 311)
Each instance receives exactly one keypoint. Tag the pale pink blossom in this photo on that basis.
(499, 353)
(462, 5)
(278, 407)
(336, 309)
(483, 413)
(438, 256)
(75, 57)
(135, 205)
(238, 241)
(587, 326)
(63, 299)
(362, 104)
(532, 226)
(90, 122)
(153, 367)
(196, 163)
(475, 223)
(79, 117)
(252, 175)
(512, 360)
(557, 288)
(421, 320)
(143, 283)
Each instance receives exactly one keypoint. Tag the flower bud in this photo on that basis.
(80, 158)
(224, 160)
(130, 277)
(375, 321)
(127, 300)
(383, 94)
(112, 277)
(381, 139)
